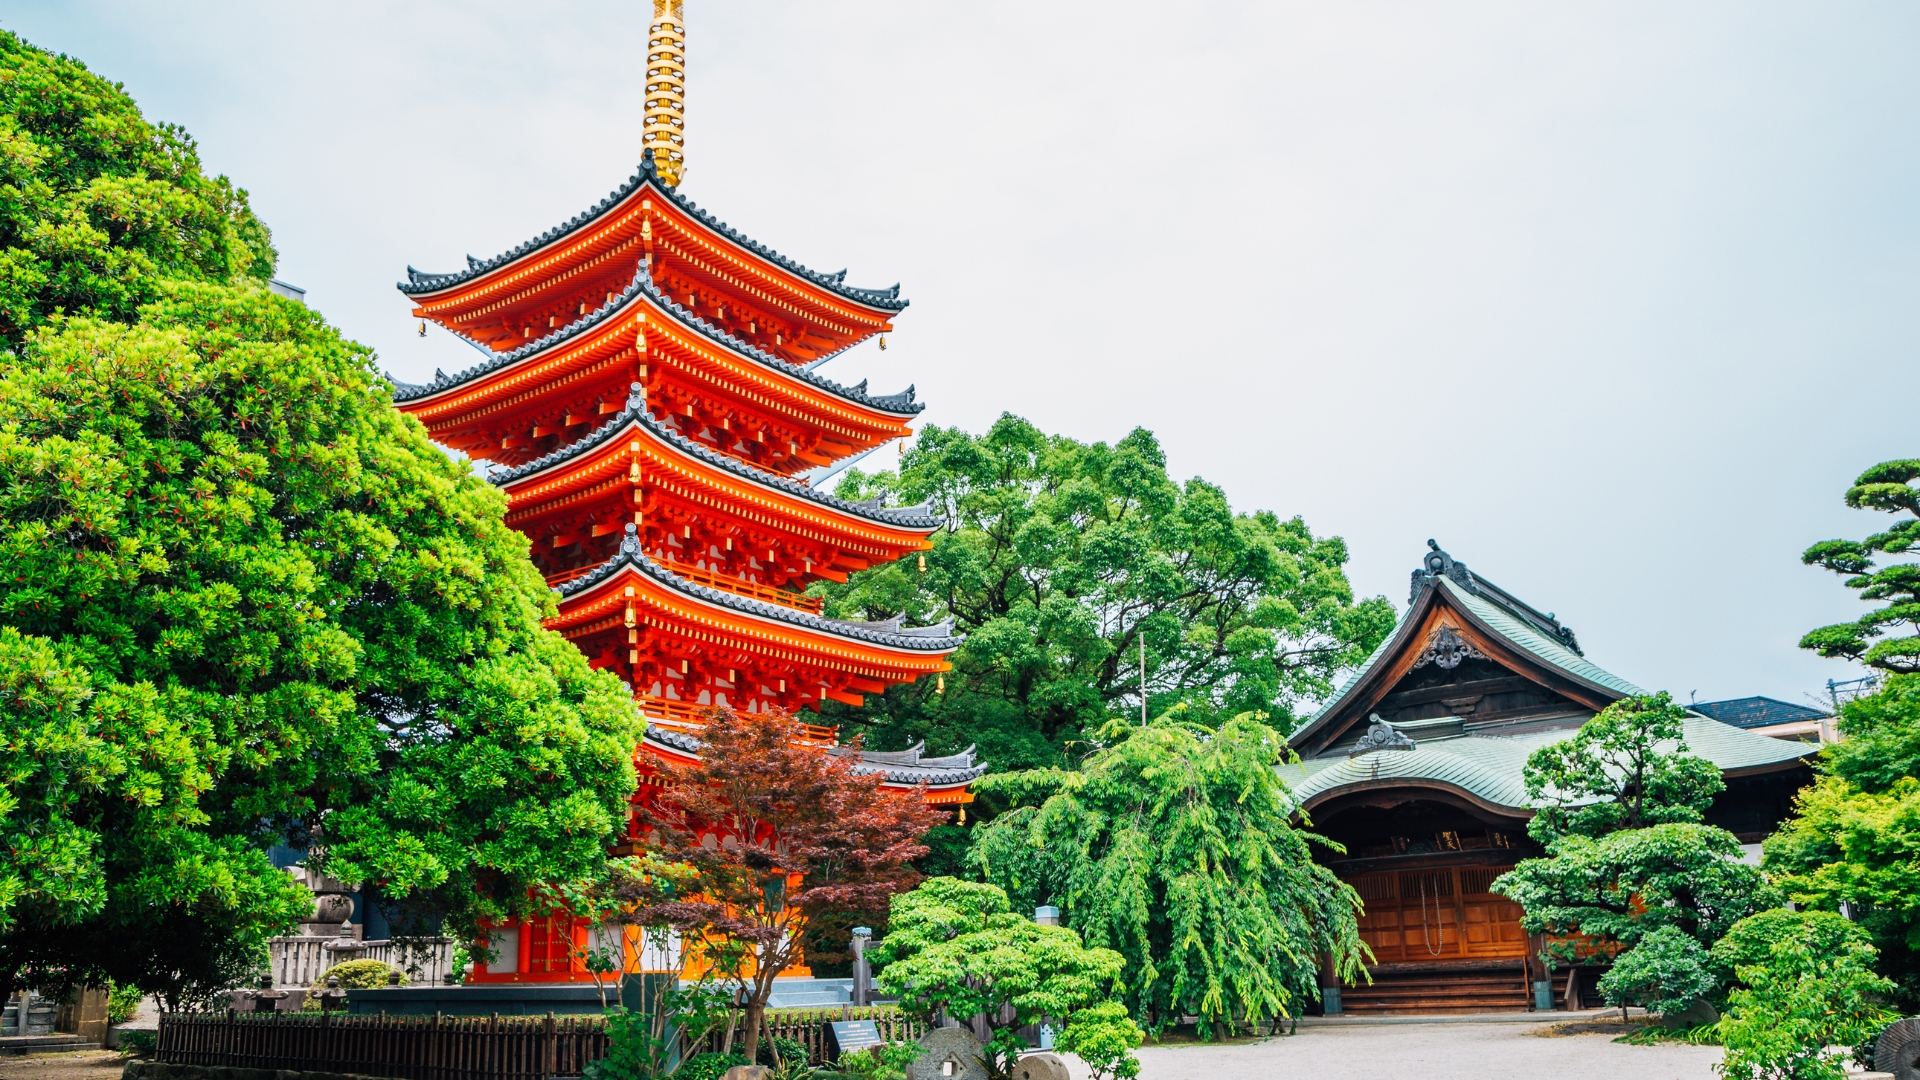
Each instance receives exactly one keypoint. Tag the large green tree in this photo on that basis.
(1174, 846)
(1874, 639)
(1620, 806)
(1059, 557)
(1855, 834)
(242, 599)
(97, 205)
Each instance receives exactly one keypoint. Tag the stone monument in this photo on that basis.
(948, 1053)
(1040, 1067)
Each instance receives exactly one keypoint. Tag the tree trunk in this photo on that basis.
(756, 1012)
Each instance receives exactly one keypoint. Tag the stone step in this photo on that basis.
(60, 1043)
(817, 999)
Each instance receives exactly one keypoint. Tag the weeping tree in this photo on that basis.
(1174, 845)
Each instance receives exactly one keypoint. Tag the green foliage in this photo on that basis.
(1627, 884)
(1059, 556)
(778, 1049)
(1797, 1003)
(639, 1045)
(123, 1002)
(141, 1041)
(97, 206)
(1104, 1036)
(358, 975)
(1665, 973)
(957, 947)
(1844, 845)
(886, 1062)
(1174, 845)
(632, 1051)
(1887, 487)
(1626, 768)
(1751, 940)
(1620, 810)
(708, 1066)
(1882, 736)
(240, 595)
(353, 975)
(1855, 832)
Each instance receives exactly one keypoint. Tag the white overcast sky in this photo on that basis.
(1613, 299)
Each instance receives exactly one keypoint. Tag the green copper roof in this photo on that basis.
(1488, 768)
(1523, 635)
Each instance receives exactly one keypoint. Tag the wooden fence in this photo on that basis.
(406, 1047)
(455, 1047)
(809, 1027)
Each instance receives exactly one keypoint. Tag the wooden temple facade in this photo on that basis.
(1415, 767)
(648, 400)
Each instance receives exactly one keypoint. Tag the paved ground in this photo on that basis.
(1418, 1051)
(1429, 1052)
(86, 1065)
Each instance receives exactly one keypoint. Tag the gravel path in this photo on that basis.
(1428, 1052)
(85, 1065)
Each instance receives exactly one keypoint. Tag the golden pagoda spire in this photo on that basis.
(667, 90)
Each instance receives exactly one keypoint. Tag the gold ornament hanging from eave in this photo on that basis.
(666, 94)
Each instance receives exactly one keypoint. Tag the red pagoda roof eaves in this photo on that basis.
(938, 638)
(420, 284)
(904, 768)
(642, 286)
(635, 415)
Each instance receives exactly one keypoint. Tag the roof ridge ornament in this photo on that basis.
(1446, 648)
(1380, 736)
(1439, 564)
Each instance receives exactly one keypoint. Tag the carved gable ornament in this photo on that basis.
(1380, 736)
(1447, 648)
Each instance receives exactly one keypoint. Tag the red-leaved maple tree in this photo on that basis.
(776, 832)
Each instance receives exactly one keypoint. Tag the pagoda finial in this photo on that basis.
(667, 90)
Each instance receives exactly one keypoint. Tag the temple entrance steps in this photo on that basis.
(791, 992)
(1460, 987)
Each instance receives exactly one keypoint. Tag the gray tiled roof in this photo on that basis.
(938, 638)
(1752, 712)
(636, 415)
(420, 283)
(642, 286)
(899, 767)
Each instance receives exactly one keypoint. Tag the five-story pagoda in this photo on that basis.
(649, 402)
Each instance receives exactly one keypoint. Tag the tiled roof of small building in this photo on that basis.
(936, 638)
(901, 403)
(897, 766)
(1753, 712)
(912, 517)
(420, 282)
